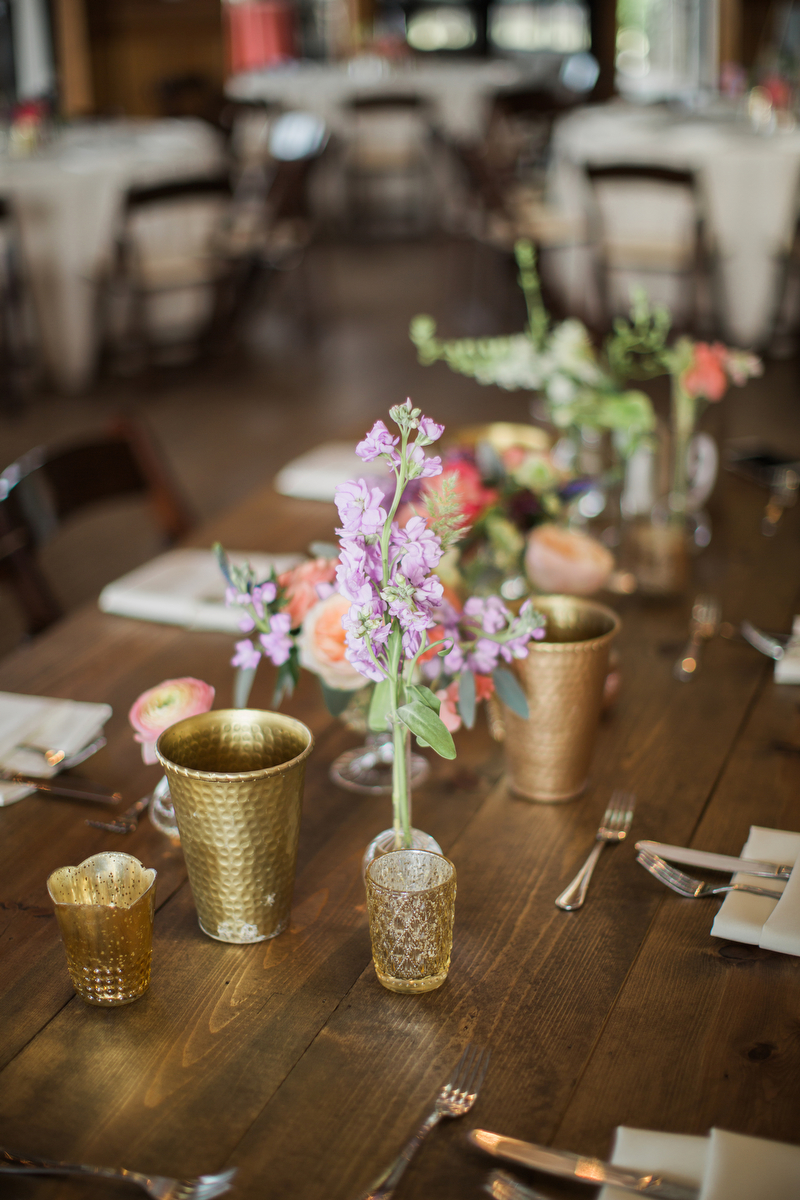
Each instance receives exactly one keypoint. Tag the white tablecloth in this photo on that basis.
(749, 182)
(460, 94)
(68, 200)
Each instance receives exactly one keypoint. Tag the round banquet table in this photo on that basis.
(67, 199)
(749, 186)
(460, 94)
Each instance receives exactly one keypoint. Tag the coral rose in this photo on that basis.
(164, 705)
(563, 560)
(322, 644)
(301, 584)
(707, 375)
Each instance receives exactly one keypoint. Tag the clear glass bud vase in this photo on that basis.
(402, 835)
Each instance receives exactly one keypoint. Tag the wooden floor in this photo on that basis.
(321, 354)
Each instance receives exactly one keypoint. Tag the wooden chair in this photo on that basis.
(48, 484)
(177, 270)
(16, 332)
(688, 262)
(388, 176)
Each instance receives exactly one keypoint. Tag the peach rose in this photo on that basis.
(706, 375)
(322, 645)
(164, 705)
(563, 560)
(301, 586)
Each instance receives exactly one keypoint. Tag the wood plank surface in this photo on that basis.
(287, 1058)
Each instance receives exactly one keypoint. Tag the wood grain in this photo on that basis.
(288, 1059)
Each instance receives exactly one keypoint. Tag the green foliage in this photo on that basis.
(444, 508)
(380, 706)
(425, 695)
(288, 675)
(427, 727)
(510, 692)
(336, 700)
(466, 697)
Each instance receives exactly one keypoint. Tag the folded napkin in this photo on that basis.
(185, 587)
(46, 724)
(317, 474)
(758, 920)
(723, 1166)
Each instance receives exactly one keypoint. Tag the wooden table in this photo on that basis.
(288, 1059)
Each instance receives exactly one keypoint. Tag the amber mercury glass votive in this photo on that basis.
(411, 897)
(236, 780)
(563, 676)
(104, 909)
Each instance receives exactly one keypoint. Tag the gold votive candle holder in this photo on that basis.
(105, 908)
(236, 780)
(563, 676)
(411, 897)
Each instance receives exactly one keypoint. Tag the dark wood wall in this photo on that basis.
(136, 45)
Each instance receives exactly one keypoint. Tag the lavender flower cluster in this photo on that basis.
(386, 572)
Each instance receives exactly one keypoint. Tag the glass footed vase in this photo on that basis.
(161, 812)
(368, 769)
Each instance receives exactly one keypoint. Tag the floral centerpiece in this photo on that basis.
(428, 660)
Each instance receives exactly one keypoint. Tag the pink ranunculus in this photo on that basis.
(564, 560)
(707, 375)
(322, 644)
(163, 705)
(301, 585)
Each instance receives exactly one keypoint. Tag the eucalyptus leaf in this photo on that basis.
(466, 697)
(420, 692)
(510, 692)
(379, 706)
(242, 684)
(336, 700)
(424, 723)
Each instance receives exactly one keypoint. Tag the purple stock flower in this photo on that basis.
(489, 611)
(247, 655)
(482, 656)
(420, 548)
(430, 429)
(378, 441)
(360, 508)
(246, 623)
(277, 643)
(421, 467)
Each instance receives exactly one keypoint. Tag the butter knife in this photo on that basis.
(716, 862)
(75, 789)
(583, 1170)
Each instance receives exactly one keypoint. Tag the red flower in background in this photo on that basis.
(707, 376)
(472, 496)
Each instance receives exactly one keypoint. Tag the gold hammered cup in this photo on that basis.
(104, 909)
(563, 676)
(411, 897)
(236, 780)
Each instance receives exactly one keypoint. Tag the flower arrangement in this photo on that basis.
(386, 622)
(165, 704)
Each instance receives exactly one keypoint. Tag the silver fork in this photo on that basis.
(503, 1186)
(455, 1098)
(127, 821)
(684, 885)
(703, 626)
(160, 1187)
(613, 828)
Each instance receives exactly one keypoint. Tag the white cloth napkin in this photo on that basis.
(723, 1166)
(185, 587)
(317, 474)
(758, 920)
(45, 723)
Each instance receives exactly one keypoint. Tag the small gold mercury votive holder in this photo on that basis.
(105, 908)
(236, 780)
(563, 677)
(411, 896)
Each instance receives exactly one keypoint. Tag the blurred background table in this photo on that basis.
(68, 198)
(288, 1059)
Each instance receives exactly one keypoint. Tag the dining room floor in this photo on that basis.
(320, 354)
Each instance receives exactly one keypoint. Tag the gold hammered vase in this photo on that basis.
(563, 676)
(236, 780)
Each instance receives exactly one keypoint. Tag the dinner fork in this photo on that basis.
(693, 889)
(455, 1098)
(613, 828)
(160, 1187)
(703, 626)
(503, 1186)
(783, 494)
(127, 821)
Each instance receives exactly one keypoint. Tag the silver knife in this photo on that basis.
(716, 862)
(584, 1170)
